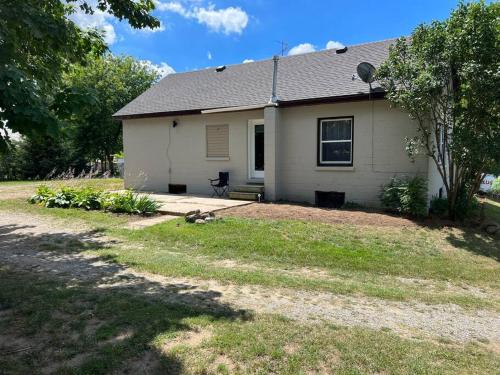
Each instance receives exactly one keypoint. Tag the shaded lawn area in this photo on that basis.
(48, 325)
(491, 209)
(409, 263)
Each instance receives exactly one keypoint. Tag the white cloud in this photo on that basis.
(334, 45)
(209, 55)
(248, 61)
(99, 20)
(163, 68)
(301, 48)
(226, 20)
(172, 6)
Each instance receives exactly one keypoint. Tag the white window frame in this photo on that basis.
(322, 162)
(252, 173)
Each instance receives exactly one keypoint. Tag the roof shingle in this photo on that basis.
(314, 75)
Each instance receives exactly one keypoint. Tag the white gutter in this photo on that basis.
(234, 109)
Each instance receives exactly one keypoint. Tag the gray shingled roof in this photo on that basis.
(314, 75)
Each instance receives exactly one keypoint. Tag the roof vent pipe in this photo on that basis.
(274, 97)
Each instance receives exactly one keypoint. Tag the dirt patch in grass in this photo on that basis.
(285, 211)
(192, 339)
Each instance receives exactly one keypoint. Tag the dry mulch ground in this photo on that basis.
(280, 211)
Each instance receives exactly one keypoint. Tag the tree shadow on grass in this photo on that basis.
(476, 241)
(82, 312)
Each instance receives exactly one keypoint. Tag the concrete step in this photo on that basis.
(244, 195)
(254, 188)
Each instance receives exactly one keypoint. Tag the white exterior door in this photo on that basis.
(256, 149)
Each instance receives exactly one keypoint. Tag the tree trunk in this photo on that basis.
(111, 165)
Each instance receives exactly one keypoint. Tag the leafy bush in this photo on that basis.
(43, 192)
(144, 205)
(439, 206)
(63, 198)
(89, 199)
(495, 187)
(406, 195)
(94, 199)
(120, 203)
(130, 203)
(466, 209)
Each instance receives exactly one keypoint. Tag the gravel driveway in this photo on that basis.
(28, 243)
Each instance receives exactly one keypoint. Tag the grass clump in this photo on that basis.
(90, 198)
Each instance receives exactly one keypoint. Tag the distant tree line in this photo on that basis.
(89, 133)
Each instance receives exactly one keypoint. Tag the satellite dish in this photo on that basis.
(366, 72)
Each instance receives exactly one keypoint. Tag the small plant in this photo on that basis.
(406, 196)
(88, 198)
(439, 206)
(144, 205)
(62, 199)
(120, 203)
(43, 192)
(130, 203)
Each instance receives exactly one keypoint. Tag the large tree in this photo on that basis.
(447, 77)
(112, 81)
(38, 42)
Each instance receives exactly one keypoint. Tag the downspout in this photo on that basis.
(274, 98)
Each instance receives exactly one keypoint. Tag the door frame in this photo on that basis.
(252, 173)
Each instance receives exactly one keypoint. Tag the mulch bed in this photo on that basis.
(285, 211)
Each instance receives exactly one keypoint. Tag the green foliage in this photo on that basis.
(90, 132)
(439, 206)
(90, 198)
(130, 203)
(39, 157)
(43, 193)
(62, 199)
(38, 42)
(144, 205)
(112, 81)
(406, 195)
(495, 187)
(9, 164)
(446, 76)
(466, 208)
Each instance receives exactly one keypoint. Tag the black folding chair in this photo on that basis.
(221, 184)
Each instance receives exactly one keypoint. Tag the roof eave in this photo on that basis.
(281, 103)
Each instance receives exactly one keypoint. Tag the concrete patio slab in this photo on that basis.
(182, 204)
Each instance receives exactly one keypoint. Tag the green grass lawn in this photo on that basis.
(492, 209)
(375, 262)
(116, 328)
(105, 183)
(100, 331)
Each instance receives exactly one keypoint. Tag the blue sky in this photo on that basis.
(197, 33)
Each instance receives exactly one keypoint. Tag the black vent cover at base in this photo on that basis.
(176, 189)
(330, 199)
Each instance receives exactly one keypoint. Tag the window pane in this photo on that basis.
(333, 130)
(336, 152)
(259, 147)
